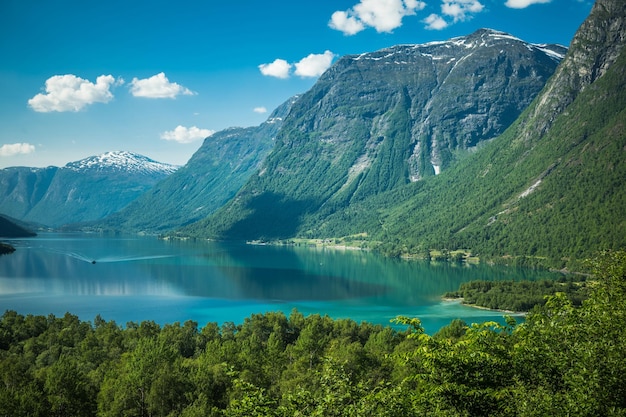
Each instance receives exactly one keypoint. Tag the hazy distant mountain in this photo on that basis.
(80, 191)
(212, 176)
(377, 121)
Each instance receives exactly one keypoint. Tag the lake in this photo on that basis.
(138, 278)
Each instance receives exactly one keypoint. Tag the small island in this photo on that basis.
(6, 249)
(9, 228)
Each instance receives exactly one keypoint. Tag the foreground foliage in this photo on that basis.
(564, 360)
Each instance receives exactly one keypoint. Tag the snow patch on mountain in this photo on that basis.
(122, 161)
(439, 50)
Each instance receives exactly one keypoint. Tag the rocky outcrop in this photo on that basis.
(596, 46)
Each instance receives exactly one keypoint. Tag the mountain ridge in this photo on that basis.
(377, 121)
(212, 175)
(549, 191)
(80, 191)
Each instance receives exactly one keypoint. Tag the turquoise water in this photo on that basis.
(143, 278)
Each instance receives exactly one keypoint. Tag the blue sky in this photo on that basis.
(80, 78)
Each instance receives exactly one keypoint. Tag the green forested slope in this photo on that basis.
(562, 361)
(376, 121)
(560, 196)
(212, 176)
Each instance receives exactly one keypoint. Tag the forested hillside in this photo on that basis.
(212, 176)
(80, 191)
(562, 361)
(548, 191)
(9, 228)
(378, 121)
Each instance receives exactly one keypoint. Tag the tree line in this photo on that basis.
(520, 296)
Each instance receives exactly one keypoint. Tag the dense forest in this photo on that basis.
(520, 296)
(563, 360)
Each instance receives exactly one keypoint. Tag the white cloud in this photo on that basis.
(461, 10)
(345, 23)
(157, 86)
(522, 4)
(11, 149)
(435, 22)
(457, 10)
(71, 93)
(314, 65)
(260, 110)
(184, 134)
(382, 15)
(279, 69)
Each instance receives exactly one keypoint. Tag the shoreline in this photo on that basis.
(461, 301)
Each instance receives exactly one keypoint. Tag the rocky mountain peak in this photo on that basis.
(121, 161)
(376, 121)
(594, 48)
(454, 94)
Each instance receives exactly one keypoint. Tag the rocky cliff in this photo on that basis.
(377, 121)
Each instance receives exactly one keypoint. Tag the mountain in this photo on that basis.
(80, 191)
(212, 176)
(11, 228)
(549, 191)
(377, 121)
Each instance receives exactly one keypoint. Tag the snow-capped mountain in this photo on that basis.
(460, 48)
(122, 161)
(81, 191)
(376, 121)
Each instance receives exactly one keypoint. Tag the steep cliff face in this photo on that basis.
(596, 46)
(549, 190)
(449, 95)
(377, 121)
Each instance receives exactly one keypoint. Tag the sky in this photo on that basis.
(83, 77)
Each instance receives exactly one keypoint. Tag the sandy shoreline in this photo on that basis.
(460, 300)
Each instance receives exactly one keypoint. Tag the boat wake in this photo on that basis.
(109, 259)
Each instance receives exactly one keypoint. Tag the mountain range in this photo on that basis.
(81, 191)
(372, 122)
(548, 191)
(382, 120)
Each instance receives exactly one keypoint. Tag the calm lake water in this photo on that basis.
(144, 278)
